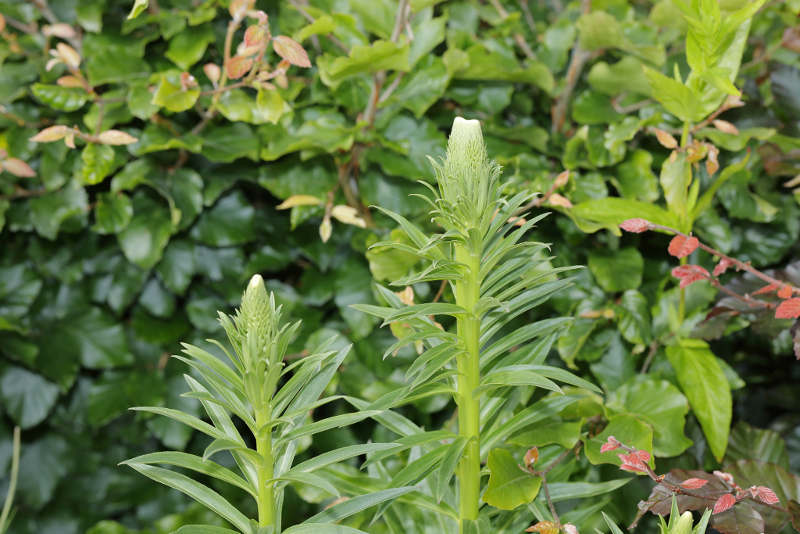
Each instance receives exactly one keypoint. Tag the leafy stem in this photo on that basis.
(467, 294)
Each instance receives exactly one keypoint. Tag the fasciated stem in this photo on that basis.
(467, 294)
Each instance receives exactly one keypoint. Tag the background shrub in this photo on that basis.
(112, 252)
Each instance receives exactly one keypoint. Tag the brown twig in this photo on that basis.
(730, 103)
(579, 58)
(649, 359)
(542, 473)
(740, 265)
(19, 192)
(518, 37)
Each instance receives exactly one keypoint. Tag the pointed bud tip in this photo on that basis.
(255, 281)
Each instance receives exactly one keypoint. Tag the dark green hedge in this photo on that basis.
(112, 254)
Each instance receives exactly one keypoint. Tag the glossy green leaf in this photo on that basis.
(707, 389)
(509, 485)
(60, 98)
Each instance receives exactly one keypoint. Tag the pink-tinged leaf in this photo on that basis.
(50, 134)
(689, 274)
(666, 139)
(644, 456)
(291, 51)
(238, 66)
(788, 309)
(213, 72)
(255, 36)
(722, 266)
(70, 81)
(116, 137)
(766, 289)
(569, 528)
(682, 246)
(724, 503)
(19, 168)
(633, 462)
(785, 292)
(636, 226)
(559, 200)
(694, 483)
(68, 55)
(725, 127)
(611, 444)
(764, 494)
(725, 477)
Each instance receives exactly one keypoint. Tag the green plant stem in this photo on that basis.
(266, 499)
(682, 299)
(12, 485)
(467, 293)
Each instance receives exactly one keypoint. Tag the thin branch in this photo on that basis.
(579, 58)
(740, 265)
(518, 37)
(332, 38)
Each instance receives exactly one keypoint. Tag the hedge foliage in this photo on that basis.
(113, 252)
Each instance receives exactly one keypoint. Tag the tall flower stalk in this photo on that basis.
(495, 277)
(273, 401)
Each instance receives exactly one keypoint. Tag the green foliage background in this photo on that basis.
(111, 256)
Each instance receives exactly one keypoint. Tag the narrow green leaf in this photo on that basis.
(195, 463)
(200, 493)
(186, 419)
(321, 528)
(357, 504)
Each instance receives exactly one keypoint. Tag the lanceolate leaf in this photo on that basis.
(705, 385)
(205, 496)
(357, 504)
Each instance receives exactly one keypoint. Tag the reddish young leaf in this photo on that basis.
(543, 527)
(766, 289)
(725, 502)
(634, 461)
(255, 36)
(682, 246)
(785, 292)
(636, 226)
(665, 138)
(611, 444)
(726, 478)
(291, 51)
(569, 528)
(694, 483)
(238, 66)
(722, 266)
(689, 274)
(788, 309)
(531, 456)
(764, 494)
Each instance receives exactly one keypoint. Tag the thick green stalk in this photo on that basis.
(266, 499)
(467, 294)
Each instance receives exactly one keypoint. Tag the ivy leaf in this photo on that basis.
(509, 485)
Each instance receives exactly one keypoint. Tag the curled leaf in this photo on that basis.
(531, 456)
(325, 229)
(213, 72)
(562, 179)
(722, 266)
(611, 444)
(689, 274)
(559, 200)
(681, 246)
(60, 30)
(68, 55)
